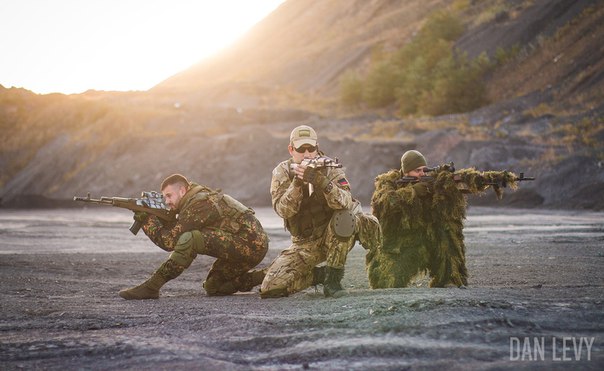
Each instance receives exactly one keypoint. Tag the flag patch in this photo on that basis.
(343, 182)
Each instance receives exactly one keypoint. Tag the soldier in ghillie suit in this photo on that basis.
(210, 223)
(324, 220)
(422, 222)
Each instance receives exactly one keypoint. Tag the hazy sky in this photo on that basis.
(70, 46)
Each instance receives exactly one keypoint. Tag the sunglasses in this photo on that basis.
(305, 148)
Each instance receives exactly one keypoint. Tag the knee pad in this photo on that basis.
(187, 247)
(343, 223)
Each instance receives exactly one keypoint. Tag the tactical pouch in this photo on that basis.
(231, 211)
(314, 215)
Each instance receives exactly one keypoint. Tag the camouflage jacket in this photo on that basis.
(291, 200)
(200, 208)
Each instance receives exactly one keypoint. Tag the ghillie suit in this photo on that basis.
(422, 226)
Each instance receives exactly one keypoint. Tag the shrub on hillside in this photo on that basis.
(351, 89)
(380, 85)
(424, 76)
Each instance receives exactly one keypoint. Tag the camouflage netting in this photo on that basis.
(423, 231)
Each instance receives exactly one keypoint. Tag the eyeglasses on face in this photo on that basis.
(305, 148)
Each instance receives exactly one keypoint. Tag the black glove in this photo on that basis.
(422, 189)
(298, 182)
(141, 216)
(316, 178)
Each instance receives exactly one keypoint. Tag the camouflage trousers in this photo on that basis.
(236, 254)
(293, 268)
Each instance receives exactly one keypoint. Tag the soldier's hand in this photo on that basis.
(141, 216)
(316, 178)
(299, 170)
(422, 189)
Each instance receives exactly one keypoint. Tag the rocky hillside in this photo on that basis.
(225, 121)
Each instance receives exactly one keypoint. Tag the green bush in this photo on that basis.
(351, 89)
(441, 25)
(380, 85)
(425, 76)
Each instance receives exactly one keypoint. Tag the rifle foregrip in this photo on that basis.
(135, 227)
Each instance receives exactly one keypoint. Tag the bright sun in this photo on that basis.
(70, 46)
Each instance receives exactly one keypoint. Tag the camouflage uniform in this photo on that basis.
(215, 224)
(422, 227)
(308, 217)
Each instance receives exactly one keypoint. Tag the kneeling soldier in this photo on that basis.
(322, 217)
(209, 223)
(422, 221)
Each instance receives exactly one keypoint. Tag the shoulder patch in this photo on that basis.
(343, 182)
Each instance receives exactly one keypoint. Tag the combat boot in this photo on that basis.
(150, 288)
(332, 286)
(318, 275)
(147, 290)
(252, 279)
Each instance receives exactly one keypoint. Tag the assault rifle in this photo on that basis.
(151, 203)
(319, 162)
(450, 167)
(458, 178)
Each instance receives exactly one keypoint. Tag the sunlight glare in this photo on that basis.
(71, 46)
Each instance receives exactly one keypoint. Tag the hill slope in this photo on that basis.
(225, 121)
(304, 47)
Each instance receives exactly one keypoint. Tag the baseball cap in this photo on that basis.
(303, 134)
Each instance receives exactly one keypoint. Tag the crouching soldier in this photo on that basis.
(209, 223)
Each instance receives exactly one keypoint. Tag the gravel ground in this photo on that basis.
(535, 301)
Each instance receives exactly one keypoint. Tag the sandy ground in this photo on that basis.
(535, 301)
